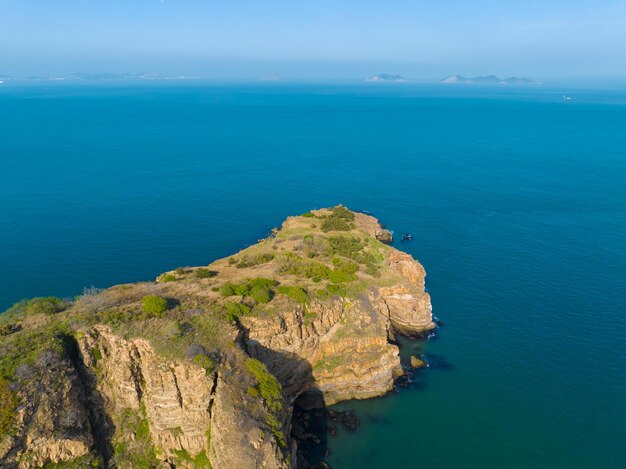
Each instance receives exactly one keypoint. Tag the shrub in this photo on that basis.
(258, 288)
(372, 266)
(203, 272)
(339, 276)
(28, 346)
(139, 452)
(154, 305)
(275, 429)
(345, 246)
(205, 362)
(47, 305)
(342, 212)
(296, 265)
(259, 259)
(115, 317)
(314, 247)
(295, 293)
(262, 282)
(235, 310)
(8, 403)
(227, 289)
(340, 220)
(345, 265)
(168, 278)
(198, 461)
(353, 248)
(335, 224)
(269, 387)
(330, 291)
(308, 215)
(93, 301)
(242, 289)
(8, 328)
(180, 270)
(261, 294)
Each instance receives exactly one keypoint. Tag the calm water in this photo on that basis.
(516, 200)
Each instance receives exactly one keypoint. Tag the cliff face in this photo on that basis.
(239, 438)
(51, 422)
(340, 349)
(407, 303)
(188, 413)
(208, 377)
(174, 398)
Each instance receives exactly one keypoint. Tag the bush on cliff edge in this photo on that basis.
(154, 305)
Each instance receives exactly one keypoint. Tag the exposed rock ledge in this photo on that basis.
(106, 382)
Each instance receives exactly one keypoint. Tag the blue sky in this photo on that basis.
(421, 39)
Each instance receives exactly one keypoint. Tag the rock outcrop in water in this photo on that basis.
(203, 367)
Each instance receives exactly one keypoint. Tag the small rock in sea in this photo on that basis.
(350, 421)
(326, 452)
(439, 323)
(332, 430)
(347, 418)
(417, 362)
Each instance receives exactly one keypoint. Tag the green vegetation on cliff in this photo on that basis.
(269, 386)
(139, 451)
(297, 294)
(47, 305)
(8, 402)
(340, 219)
(271, 391)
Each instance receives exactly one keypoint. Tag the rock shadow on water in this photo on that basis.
(438, 362)
(303, 401)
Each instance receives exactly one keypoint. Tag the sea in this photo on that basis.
(515, 197)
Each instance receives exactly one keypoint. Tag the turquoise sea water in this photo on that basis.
(515, 197)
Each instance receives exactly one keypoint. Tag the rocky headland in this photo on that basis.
(203, 367)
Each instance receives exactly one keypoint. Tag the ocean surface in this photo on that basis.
(516, 199)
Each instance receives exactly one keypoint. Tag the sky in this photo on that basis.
(318, 39)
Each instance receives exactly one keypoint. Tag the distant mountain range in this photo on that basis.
(490, 80)
(385, 77)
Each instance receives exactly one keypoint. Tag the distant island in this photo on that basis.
(202, 368)
(490, 80)
(385, 77)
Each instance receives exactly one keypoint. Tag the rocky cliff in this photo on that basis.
(202, 368)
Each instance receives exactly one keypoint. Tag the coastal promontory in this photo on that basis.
(204, 366)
